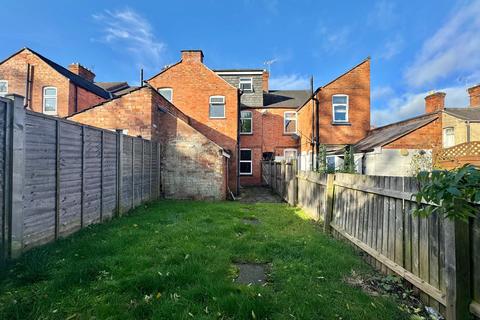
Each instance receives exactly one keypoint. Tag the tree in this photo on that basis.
(454, 194)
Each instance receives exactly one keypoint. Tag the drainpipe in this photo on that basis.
(468, 130)
(317, 129)
(238, 140)
(312, 143)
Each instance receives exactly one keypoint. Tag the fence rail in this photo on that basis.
(375, 214)
(59, 176)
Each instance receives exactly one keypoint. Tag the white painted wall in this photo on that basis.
(391, 162)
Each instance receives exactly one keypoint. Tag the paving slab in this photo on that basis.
(251, 273)
(258, 195)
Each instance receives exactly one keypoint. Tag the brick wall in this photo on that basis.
(192, 165)
(267, 136)
(193, 84)
(14, 70)
(354, 83)
(427, 137)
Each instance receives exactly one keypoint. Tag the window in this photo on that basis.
(217, 107)
(50, 100)
(448, 137)
(290, 154)
(340, 108)
(167, 93)
(331, 163)
(245, 161)
(3, 87)
(290, 122)
(246, 84)
(246, 122)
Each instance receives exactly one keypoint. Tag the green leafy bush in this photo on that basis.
(452, 194)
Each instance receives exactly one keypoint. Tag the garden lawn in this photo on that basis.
(174, 260)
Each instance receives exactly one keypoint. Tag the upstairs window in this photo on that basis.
(217, 107)
(246, 122)
(245, 161)
(340, 108)
(167, 93)
(448, 137)
(246, 84)
(3, 87)
(290, 122)
(50, 100)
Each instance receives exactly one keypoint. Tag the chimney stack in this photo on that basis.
(192, 55)
(474, 93)
(83, 72)
(265, 77)
(435, 102)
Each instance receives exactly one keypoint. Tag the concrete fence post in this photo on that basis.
(118, 199)
(457, 269)
(16, 174)
(329, 201)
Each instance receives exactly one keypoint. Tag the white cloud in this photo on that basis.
(126, 30)
(289, 82)
(392, 47)
(453, 49)
(413, 104)
(381, 91)
(383, 14)
(333, 39)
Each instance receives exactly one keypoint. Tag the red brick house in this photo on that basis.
(338, 114)
(209, 101)
(48, 87)
(193, 166)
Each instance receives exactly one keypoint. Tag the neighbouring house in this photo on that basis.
(193, 166)
(268, 126)
(211, 103)
(47, 86)
(405, 147)
(336, 115)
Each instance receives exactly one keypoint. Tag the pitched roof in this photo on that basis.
(76, 79)
(285, 98)
(112, 86)
(382, 136)
(469, 113)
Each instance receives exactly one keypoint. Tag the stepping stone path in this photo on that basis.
(251, 273)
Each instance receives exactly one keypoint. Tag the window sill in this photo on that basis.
(217, 118)
(336, 123)
(246, 133)
(246, 174)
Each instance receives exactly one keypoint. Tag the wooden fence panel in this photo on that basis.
(40, 180)
(127, 172)
(109, 180)
(147, 166)
(3, 169)
(70, 178)
(137, 171)
(93, 176)
(311, 193)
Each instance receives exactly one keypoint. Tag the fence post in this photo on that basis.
(119, 171)
(16, 178)
(329, 196)
(457, 269)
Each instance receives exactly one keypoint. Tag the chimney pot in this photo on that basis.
(192, 55)
(474, 93)
(81, 71)
(435, 102)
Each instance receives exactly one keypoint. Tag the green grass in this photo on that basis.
(173, 260)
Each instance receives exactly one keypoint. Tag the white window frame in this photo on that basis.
(290, 150)
(285, 124)
(248, 80)
(6, 83)
(250, 161)
(171, 93)
(49, 97)
(216, 103)
(340, 104)
(251, 121)
(445, 137)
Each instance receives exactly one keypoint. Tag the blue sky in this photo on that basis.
(415, 46)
